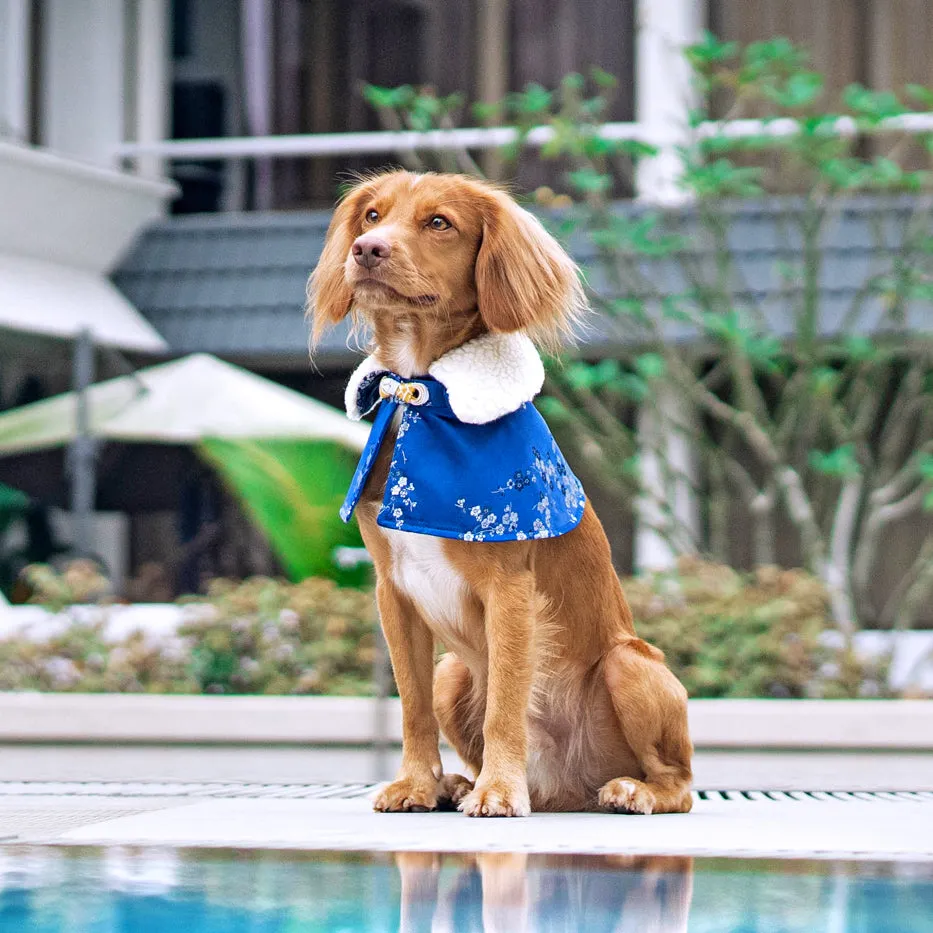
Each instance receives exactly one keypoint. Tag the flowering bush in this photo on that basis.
(80, 581)
(266, 636)
(768, 634)
(80, 659)
(725, 634)
(258, 636)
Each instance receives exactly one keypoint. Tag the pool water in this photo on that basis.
(48, 890)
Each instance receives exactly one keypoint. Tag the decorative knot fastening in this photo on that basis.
(408, 393)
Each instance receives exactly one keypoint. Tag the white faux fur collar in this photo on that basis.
(485, 378)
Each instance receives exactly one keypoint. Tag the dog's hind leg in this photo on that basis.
(651, 706)
(460, 715)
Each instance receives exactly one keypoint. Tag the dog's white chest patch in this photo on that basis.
(422, 572)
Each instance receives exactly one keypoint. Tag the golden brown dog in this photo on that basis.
(518, 893)
(546, 692)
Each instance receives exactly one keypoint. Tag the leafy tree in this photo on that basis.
(823, 424)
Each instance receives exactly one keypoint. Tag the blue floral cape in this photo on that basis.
(505, 480)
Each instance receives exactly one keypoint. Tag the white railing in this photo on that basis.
(354, 144)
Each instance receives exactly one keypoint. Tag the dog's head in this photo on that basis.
(404, 248)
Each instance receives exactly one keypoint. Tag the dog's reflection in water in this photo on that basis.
(510, 893)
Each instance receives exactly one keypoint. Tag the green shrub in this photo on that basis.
(267, 636)
(768, 634)
(81, 660)
(724, 634)
(260, 636)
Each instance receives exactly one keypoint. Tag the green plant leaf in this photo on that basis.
(388, 97)
(580, 375)
(842, 172)
(764, 351)
(608, 238)
(551, 408)
(921, 288)
(824, 380)
(574, 81)
(634, 148)
(710, 51)
(594, 107)
(841, 462)
(292, 490)
(871, 107)
(769, 61)
(801, 89)
(631, 308)
(632, 387)
(859, 349)
(925, 465)
(603, 78)
(535, 99)
(486, 112)
(588, 180)
(650, 366)
(722, 178)
(923, 95)
(679, 308)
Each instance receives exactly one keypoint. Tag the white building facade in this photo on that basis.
(79, 79)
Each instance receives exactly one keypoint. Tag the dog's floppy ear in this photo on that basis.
(524, 279)
(329, 296)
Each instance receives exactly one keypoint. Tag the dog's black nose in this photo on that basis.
(369, 250)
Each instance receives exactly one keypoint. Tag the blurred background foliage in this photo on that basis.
(725, 634)
(826, 430)
(798, 423)
(293, 490)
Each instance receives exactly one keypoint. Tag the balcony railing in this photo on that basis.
(387, 142)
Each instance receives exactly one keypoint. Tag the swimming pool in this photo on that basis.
(65, 890)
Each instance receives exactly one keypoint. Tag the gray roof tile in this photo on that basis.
(234, 284)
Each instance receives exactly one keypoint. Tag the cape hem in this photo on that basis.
(455, 535)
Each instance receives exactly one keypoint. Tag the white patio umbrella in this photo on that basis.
(181, 402)
(287, 457)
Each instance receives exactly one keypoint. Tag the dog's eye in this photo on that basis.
(372, 215)
(439, 222)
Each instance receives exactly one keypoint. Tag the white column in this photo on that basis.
(492, 54)
(668, 465)
(256, 25)
(83, 81)
(152, 106)
(15, 57)
(662, 89)
(662, 101)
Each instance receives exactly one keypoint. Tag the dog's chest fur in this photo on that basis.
(423, 573)
(417, 564)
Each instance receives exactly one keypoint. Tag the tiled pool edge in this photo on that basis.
(839, 829)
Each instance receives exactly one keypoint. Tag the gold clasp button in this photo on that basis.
(408, 393)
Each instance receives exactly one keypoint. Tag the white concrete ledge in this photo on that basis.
(804, 725)
(197, 720)
(819, 725)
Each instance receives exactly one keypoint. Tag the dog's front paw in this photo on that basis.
(626, 795)
(407, 796)
(497, 798)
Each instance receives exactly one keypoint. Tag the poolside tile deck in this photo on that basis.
(309, 817)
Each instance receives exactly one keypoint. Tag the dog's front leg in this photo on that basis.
(502, 786)
(411, 647)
